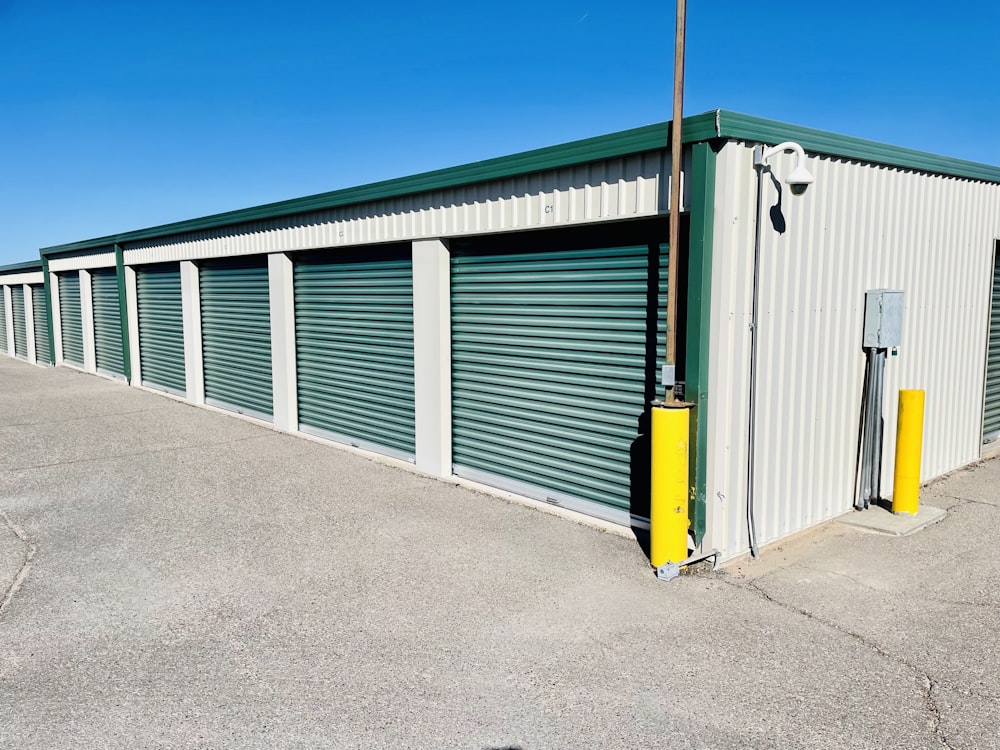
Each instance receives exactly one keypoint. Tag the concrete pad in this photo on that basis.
(884, 521)
(967, 484)
(203, 582)
(929, 600)
(968, 720)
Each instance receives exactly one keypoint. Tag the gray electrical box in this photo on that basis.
(883, 319)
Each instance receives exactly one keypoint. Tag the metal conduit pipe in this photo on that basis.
(859, 454)
(868, 408)
(870, 485)
(752, 395)
(877, 428)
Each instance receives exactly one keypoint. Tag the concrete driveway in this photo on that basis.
(179, 578)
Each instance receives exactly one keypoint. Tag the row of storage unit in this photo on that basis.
(24, 329)
(503, 322)
(353, 329)
(552, 361)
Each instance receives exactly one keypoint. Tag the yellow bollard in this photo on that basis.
(909, 444)
(668, 511)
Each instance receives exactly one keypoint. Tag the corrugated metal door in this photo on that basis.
(3, 320)
(354, 349)
(991, 406)
(20, 325)
(71, 320)
(553, 364)
(107, 322)
(41, 324)
(161, 327)
(236, 335)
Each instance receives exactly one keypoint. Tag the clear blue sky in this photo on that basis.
(122, 115)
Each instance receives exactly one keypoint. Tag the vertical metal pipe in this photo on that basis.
(676, 157)
(671, 421)
(861, 498)
(866, 449)
(752, 395)
(877, 425)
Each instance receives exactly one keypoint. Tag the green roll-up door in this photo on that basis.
(991, 406)
(553, 366)
(110, 357)
(161, 327)
(20, 325)
(3, 320)
(236, 335)
(354, 349)
(41, 324)
(70, 318)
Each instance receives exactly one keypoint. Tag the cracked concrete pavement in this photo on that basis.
(199, 581)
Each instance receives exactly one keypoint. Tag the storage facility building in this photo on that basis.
(24, 318)
(503, 321)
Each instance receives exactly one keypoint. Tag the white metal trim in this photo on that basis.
(194, 365)
(34, 277)
(284, 384)
(132, 315)
(8, 312)
(84, 262)
(432, 355)
(989, 438)
(29, 322)
(87, 315)
(728, 351)
(56, 318)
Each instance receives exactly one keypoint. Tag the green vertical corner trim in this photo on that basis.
(48, 310)
(699, 313)
(123, 306)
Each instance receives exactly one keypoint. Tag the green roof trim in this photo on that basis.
(715, 124)
(27, 266)
(733, 125)
(647, 138)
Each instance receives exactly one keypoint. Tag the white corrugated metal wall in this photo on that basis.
(103, 257)
(30, 277)
(859, 227)
(629, 187)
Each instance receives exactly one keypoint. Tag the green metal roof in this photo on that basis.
(735, 126)
(715, 124)
(577, 152)
(27, 266)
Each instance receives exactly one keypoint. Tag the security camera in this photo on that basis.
(799, 180)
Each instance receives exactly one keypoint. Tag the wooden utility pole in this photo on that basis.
(671, 421)
(676, 157)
